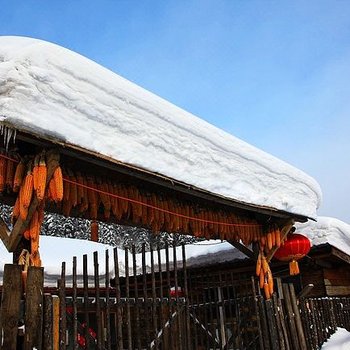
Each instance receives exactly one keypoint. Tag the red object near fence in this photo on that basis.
(294, 248)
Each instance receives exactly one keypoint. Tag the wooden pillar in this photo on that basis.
(10, 306)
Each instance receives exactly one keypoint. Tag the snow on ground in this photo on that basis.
(327, 230)
(340, 340)
(55, 93)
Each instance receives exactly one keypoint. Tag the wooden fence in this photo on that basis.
(162, 305)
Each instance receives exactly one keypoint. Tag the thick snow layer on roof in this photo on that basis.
(53, 92)
(327, 230)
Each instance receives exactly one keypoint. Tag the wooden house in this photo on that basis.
(108, 150)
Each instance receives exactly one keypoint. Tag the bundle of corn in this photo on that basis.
(30, 181)
(264, 273)
(8, 160)
(94, 231)
(94, 197)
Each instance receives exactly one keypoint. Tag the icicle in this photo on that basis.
(9, 134)
(5, 135)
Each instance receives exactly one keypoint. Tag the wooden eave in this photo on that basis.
(155, 179)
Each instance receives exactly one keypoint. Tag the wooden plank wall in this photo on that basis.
(337, 281)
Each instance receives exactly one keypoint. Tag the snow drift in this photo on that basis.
(327, 230)
(52, 92)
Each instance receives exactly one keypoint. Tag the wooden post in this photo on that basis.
(119, 306)
(108, 306)
(34, 308)
(137, 301)
(280, 323)
(10, 306)
(291, 317)
(274, 340)
(98, 302)
(48, 323)
(258, 320)
(56, 322)
(63, 319)
(298, 322)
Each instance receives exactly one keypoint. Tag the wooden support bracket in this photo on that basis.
(4, 233)
(284, 232)
(243, 249)
(12, 240)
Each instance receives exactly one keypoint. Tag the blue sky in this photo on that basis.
(273, 73)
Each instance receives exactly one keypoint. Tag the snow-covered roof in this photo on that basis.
(327, 230)
(53, 92)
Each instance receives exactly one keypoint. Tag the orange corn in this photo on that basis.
(10, 173)
(269, 240)
(73, 193)
(106, 201)
(270, 282)
(265, 265)
(26, 234)
(35, 257)
(58, 178)
(80, 189)
(2, 173)
(41, 179)
(66, 189)
(261, 279)
(94, 231)
(27, 190)
(16, 210)
(273, 235)
(23, 211)
(34, 229)
(19, 176)
(52, 193)
(36, 172)
(258, 265)
(267, 291)
(278, 237)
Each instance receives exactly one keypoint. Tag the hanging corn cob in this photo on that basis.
(10, 172)
(264, 273)
(19, 175)
(41, 178)
(58, 180)
(94, 231)
(26, 192)
(3, 164)
(36, 172)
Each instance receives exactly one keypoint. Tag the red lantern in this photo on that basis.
(294, 248)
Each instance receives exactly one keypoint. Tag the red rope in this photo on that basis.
(8, 158)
